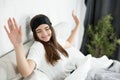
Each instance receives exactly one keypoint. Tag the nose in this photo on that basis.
(44, 32)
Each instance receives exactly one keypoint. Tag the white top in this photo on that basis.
(62, 68)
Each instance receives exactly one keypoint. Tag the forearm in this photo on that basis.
(22, 63)
(72, 35)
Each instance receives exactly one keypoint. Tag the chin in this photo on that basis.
(46, 40)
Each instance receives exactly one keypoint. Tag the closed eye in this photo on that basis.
(47, 28)
(38, 31)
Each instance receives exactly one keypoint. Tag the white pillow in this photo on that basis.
(10, 63)
(3, 71)
(62, 30)
(102, 62)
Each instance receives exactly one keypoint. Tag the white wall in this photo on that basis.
(23, 10)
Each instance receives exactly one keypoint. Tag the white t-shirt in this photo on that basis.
(62, 68)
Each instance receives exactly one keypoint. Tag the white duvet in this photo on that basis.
(88, 63)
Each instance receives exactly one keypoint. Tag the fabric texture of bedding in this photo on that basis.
(87, 64)
(8, 66)
(110, 73)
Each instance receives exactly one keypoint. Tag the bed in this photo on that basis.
(111, 73)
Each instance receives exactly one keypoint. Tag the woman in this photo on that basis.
(46, 56)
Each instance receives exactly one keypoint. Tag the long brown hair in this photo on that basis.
(51, 47)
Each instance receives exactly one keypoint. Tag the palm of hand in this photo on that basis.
(14, 33)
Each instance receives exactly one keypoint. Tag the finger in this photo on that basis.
(6, 30)
(15, 23)
(74, 16)
(10, 24)
(20, 30)
(72, 12)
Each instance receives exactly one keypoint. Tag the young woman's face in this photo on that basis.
(44, 32)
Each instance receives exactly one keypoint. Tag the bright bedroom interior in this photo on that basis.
(59, 11)
(60, 14)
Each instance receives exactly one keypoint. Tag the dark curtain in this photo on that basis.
(95, 9)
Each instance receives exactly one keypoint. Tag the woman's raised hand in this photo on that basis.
(77, 22)
(73, 33)
(14, 33)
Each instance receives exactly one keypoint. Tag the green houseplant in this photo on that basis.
(102, 38)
